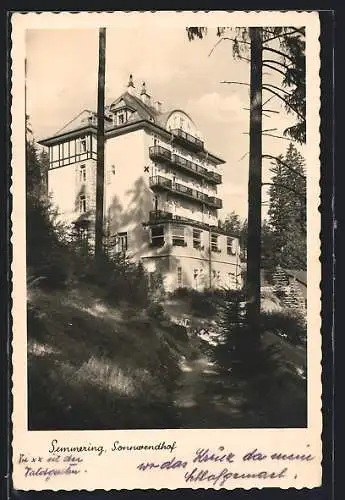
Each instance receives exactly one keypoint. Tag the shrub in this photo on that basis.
(47, 255)
(156, 311)
(180, 293)
(202, 304)
(289, 324)
(240, 349)
(156, 287)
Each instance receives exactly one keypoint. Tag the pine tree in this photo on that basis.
(232, 224)
(287, 212)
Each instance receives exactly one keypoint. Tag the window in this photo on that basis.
(214, 243)
(82, 173)
(113, 169)
(178, 236)
(196, 274)
(179, 276)
(196, 238)
(231, 245)
(82, 145)
(157, 236)
(82, 203)
(121, 242)
(121, 119)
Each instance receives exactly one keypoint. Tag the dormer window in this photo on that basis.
(121, 119)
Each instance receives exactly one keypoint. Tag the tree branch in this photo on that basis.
(288, 188)
(222, 39)
(276, 158)
(275, 51)
(268, 100)
(237, 83)
(285, 101)
(277, 88)
(283, 35)
(277, 137)
(274, 69)
(277, 62)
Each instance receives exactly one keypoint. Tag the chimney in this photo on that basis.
(144, 96)
(158, 106)
(130, 85)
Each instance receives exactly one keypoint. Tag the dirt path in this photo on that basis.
(205, 398)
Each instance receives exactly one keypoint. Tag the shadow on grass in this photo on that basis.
(89, 372)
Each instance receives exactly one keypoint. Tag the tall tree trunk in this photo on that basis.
(100, 146)
(254, 184)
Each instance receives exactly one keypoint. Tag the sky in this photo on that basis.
(62, 70)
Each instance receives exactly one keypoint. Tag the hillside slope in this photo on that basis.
(96, 365)
(93, 366)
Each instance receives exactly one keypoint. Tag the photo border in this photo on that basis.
(326, 211)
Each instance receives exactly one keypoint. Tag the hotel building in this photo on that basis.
(160, 190)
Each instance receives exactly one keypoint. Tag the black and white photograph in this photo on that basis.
(167, 179)
(164, 290)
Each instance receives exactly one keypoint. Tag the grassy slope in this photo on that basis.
(95, 366)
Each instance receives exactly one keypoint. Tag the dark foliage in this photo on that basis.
(269, 382)
(48, 258)
(286, 324)
(287, 211)
(156, 311)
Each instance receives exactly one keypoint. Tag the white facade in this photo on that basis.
(160, 191)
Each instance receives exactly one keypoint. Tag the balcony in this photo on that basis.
(157, 181)
(215, 202)
(159, 153)
(161, 216)
(187, 140)
(160, 182)
(180, 188)
(214, 177)
(190, 166)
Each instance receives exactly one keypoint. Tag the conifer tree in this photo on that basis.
(287, 212)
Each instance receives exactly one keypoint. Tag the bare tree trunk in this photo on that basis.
(254, 184)
(100, 146)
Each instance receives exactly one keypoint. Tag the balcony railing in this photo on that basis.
(161, 216)
(158, 181)
(190, 166)
(159, 153)
(214, 177)
(215, 202)
(180, 188)
(188, 139)
(201, 196)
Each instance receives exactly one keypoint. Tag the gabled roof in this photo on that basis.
(298, 274)
(81, 120)
(141, 112)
